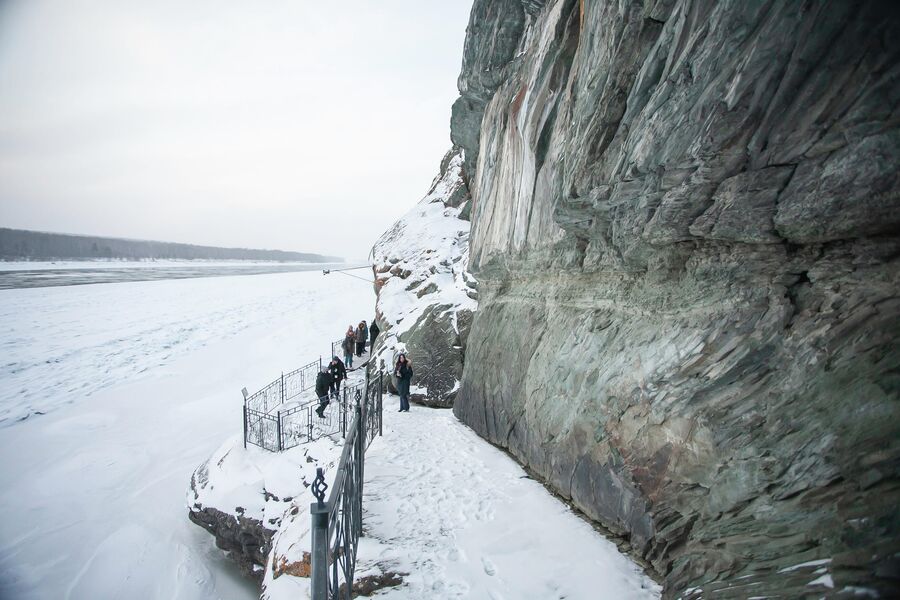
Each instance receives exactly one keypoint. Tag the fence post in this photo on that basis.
(282, 387)
(318, 510)
(280, 446)
(309, 428)
(343, 409)
(319, 554)
(380, 410)
(245, 424)
(360, 450)
(365, 410)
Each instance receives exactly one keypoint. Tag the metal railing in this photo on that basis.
(267, 430)
(286, 428)
(337, 523)
(285, 388)
(336, 349)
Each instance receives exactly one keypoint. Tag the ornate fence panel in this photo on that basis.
(337, 523)
(265, 399)
(294, 426)
(261, 429)
(284, 389)
(299, 380)
(373, 407)
(336, 349)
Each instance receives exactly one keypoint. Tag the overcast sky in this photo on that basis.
(288, 124)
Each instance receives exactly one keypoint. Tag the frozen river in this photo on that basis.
(112, 394)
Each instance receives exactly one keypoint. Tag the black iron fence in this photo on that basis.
(266, 429)
(291, 426)
(337, 523)
(285, 388)
(336, 349)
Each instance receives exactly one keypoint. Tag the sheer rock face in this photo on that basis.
(685, 230)
(492, 38)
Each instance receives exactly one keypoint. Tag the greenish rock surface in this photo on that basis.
(685, 227)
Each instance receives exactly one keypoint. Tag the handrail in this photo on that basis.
(258, 407)
(286, 387)
(335, 346)
(337, 522)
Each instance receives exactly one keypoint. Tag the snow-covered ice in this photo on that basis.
(62, 344)
(142, 385)
(25, 274)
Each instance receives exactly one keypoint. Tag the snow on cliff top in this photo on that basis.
(421, 261)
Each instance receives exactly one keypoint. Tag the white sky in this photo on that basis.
(291, 124)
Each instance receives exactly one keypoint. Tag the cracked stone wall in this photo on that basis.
(685, 227)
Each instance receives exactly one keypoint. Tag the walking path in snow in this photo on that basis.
(463, 520)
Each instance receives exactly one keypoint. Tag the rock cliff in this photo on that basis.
(685, 232)
(426, 296)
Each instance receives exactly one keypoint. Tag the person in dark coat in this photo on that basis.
(349, 346)
(403, 372)
(362, 334)
(373, 333)
(323, 382)
(338, 373)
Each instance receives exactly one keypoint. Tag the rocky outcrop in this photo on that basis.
(256, 504)
(426, 296)
(685, 232)
(246, 541)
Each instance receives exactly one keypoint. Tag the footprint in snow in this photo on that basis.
(455, 555)
(489, 567)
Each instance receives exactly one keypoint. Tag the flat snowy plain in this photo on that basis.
(139, 383)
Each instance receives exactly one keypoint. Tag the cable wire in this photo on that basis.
(342, 272)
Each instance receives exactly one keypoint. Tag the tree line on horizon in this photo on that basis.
(19, 244)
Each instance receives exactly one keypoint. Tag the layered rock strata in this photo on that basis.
(685, 231)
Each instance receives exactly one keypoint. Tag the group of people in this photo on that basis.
(355, 340)
(328, 381)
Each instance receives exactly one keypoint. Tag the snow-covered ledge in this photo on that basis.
(426, 296)
(245, 496)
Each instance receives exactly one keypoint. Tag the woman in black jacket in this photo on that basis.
(373, 333)
(403, 372)
(338, 373)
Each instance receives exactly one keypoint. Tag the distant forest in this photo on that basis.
(17, 244)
